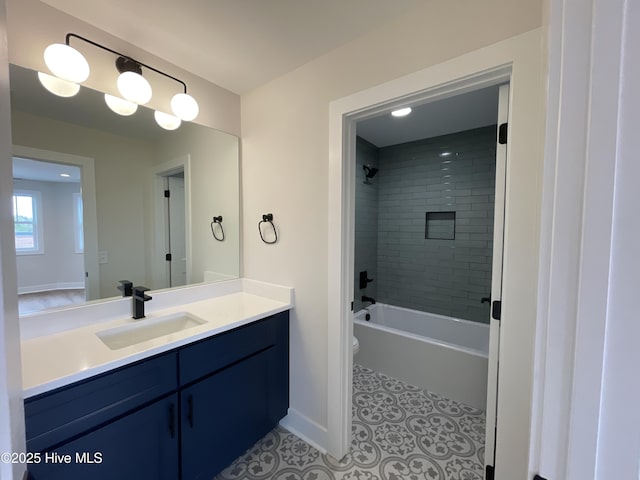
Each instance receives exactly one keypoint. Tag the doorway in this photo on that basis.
(56, 229)
(171, 265)
(175, 223)
(344, 115)
(429, 217)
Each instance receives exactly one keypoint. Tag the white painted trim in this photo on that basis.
(618, 436)
(484, 67)
(88, 182)
(47, 287)
(305, 428)
(585, 53)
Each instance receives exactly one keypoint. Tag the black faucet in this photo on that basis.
(126, 287)
(137, 307)
(368, 299)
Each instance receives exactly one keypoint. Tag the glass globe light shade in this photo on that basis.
(66, 62)
(134, 87)
(184, 106)
(166, 121)
(120, 106)
(58, 86)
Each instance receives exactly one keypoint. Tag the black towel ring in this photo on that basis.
(268, 218)
(217, 220)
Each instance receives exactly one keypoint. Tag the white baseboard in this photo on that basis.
(305, 429)
(51, 286)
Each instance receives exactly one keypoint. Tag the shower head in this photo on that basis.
(369, 171)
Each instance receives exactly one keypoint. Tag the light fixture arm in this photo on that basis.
(125, 57)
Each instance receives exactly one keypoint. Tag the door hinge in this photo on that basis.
(167, 257)
(538, 477)
(352, 306)
(167, 193)
(502, 133)
(489, 473)
(496, 310)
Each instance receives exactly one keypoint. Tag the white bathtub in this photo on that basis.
(441, 354)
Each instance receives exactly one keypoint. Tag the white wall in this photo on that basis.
(59, 264)
(33, 25)
(285, 158)
(11, 409)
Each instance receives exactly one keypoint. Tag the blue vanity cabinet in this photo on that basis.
(139, 445)
(183, 415)
(121, 424)
(222, 417)
(225, 413)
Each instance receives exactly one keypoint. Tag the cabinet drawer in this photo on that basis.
(57, 416)
(207, 356)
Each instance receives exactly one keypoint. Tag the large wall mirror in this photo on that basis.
(90, 201)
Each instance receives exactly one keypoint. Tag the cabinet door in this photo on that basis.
(141, 445)
(223, 415)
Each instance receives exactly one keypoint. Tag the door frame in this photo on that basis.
(89, 208)
(338, 351)
(158, 263)
(171, 233)
(519, 61)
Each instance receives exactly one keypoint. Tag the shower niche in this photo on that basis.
(440, 226)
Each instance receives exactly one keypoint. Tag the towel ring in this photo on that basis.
(217, 220)
(267, 218)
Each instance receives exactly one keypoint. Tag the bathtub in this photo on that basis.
(443, 355)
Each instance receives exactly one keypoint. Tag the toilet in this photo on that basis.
(356, 346)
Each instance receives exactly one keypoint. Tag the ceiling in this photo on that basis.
(27, 169)
(237, 44)
(466, 111)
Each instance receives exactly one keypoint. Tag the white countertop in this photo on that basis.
(54, 360)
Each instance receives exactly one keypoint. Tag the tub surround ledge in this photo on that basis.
(68, 350)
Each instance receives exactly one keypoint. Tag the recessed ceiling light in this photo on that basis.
(445, 154)
(65, 175)
(401, 112)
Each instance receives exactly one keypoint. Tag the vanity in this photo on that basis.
(180, 405)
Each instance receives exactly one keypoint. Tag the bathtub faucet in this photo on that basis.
(368, 299)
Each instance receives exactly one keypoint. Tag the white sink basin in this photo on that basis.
(147, 329)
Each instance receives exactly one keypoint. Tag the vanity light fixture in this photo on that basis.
(70, 68)
(402, 112)
(166, 121)
(66, 62)
(58, 86)
(120, 105)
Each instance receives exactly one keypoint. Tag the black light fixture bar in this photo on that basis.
(126, 58)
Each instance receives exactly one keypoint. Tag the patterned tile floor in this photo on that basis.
(400, 432)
